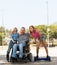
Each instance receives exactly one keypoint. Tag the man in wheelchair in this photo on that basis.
(22, 42)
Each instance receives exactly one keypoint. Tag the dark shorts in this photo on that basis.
(43, 37)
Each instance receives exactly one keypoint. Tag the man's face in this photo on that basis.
(22, 31)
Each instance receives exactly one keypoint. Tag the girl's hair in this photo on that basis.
(32, 27)
(14, 29)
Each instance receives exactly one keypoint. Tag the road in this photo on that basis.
(52, 53)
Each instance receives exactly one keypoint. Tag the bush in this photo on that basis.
(0, 38)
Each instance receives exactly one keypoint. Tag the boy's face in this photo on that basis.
(22, 31)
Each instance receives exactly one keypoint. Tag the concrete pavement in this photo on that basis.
(52, 53)
(51, 50)
(53, 62)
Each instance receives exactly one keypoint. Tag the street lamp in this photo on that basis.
(47, 24)
(2, 26)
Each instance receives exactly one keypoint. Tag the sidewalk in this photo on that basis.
(52, 51)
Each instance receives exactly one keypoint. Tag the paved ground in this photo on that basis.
(53, 62)
(52, 53)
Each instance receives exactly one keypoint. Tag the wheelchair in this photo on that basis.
(27, 55)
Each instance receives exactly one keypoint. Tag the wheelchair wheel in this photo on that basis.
(11, 60)
(30, 57)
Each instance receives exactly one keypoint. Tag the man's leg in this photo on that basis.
(9, 48)
(21, 45)
(14, 50)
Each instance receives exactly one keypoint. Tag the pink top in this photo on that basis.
(36, 34)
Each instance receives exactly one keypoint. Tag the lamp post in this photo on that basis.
(2, 27)
(47, 24)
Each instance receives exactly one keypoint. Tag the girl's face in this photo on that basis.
(15, 30)
(31, 29)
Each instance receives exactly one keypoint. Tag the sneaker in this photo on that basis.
(37, 56)
(13, 59)
(48, 56)
(7, 57)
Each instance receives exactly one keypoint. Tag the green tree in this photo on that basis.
(0, 38)
(2, 31)
(53, 31)
(42, 29)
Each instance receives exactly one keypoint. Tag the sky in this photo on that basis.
(18, 13)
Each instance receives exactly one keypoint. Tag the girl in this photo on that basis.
(14, 38)
(37, 38)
